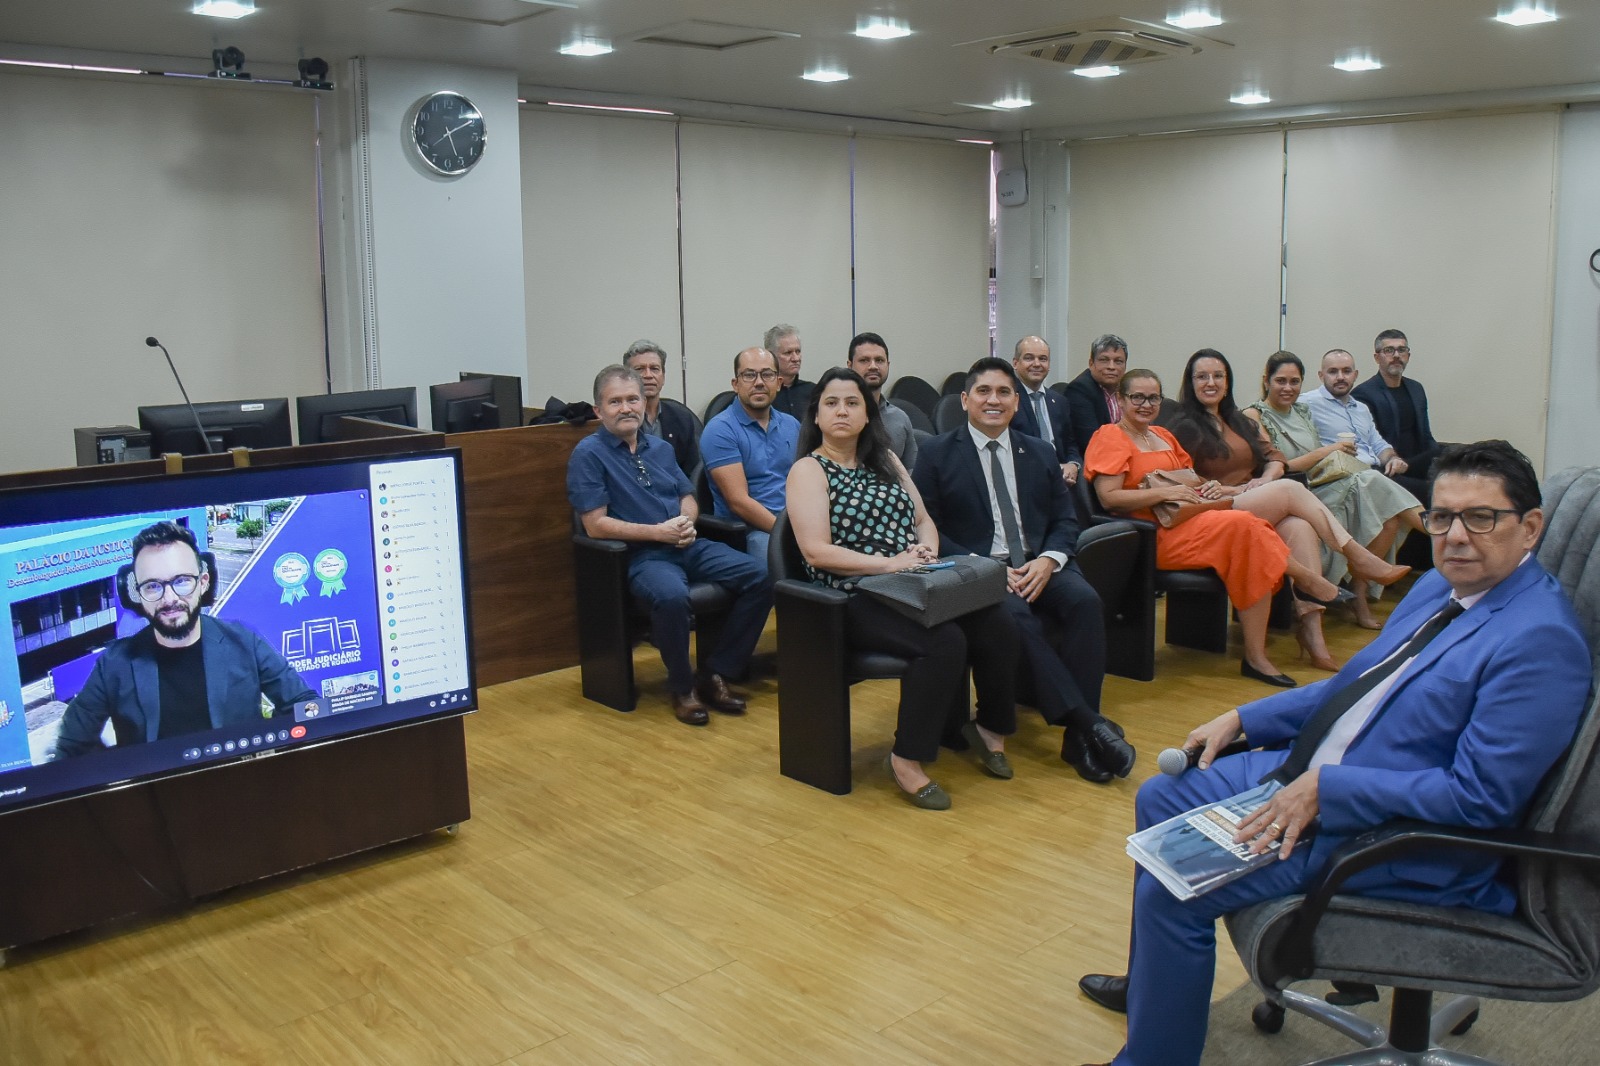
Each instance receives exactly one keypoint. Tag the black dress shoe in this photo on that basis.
(1109, 991)
(1281, 680)
(1110, 750)
(1076, 755)
(715, 693)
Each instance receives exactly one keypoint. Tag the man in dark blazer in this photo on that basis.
(994, 492)
(663, 417)
(1031, 361)
(1092, 399)
(1399, 408)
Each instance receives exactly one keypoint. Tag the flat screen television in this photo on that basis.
(318, 416)
(507, 395)
(228, 424)
(331, 601)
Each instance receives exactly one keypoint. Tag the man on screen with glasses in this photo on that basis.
(183, 673)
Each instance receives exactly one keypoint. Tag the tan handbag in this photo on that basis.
(1172, 514)
(1334, 466)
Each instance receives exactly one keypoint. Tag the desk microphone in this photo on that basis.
(1175, 761)
(205, 441)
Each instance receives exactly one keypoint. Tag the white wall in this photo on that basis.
(1575, 333)
(136, 207)
(1032, 260)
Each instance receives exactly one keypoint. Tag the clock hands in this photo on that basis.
(447, 135)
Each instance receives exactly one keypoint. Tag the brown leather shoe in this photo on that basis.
(689, 710)
(715, 693)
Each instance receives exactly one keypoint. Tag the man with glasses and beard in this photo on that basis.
(183, 673)
(1400, 405)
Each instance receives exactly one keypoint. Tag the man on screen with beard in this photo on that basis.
(185, 672)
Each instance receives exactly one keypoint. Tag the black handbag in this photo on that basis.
(934, 596)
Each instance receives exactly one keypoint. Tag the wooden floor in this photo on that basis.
(630, 890)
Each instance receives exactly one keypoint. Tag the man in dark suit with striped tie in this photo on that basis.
(1043, 412)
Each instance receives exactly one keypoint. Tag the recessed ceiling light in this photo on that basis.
(1526, 15)
(973, 140)
(825, 74)
(1194, 19)
(605, 107)
(1250, 97)
(882, 29)
(1098, 72)
(1011, 103)
(587, 46)
(1358, 63)
(225, 9)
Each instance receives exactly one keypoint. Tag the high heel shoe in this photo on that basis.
(1280, 680)
(1325, 662)
(1306, 598)
(1369, 567)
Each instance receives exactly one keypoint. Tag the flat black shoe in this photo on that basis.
(1077, 755)
(1281, 680)
(1111, 751)
(1109, 991)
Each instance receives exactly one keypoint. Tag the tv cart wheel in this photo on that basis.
(1460, 1030)
(1268, 1016)
(453, 828)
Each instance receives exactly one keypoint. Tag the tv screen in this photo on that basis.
(318, 416)
(228, 424)
(166, 625)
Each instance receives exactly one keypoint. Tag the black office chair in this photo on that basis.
(947, 414)
(730, 531)
(919, 417)
(1060, 386)
(916, 392)
(954, 383)
(718, 404)
(611, 621)
(1548, 951)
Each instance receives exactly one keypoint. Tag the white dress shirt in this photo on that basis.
(1334, 416)
(997, 545)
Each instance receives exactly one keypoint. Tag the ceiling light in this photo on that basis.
(1098, 72)
(225, 9)
(882, 29)
(605, 107)
(1358, 63)
(1194, 19)
(1526, 15)
(68, 66)
(825, 74)
(586, 46)
(1250, 97)
(1011, 103)
(973, 140)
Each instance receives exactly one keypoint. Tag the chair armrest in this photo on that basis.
(1106, 527)
(600, 544)
(807, 592)
(1404, 837)
(727, 530)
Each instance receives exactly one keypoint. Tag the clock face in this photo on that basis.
(448, 133)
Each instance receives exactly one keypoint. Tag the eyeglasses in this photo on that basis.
(182, 586)
(1139, 399)
(1473, 519)
(640, 474)
(750, 377)
(1218, 375)
(1390, 349)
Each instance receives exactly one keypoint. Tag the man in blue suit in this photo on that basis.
(991, 491)
(1042, 412)
(1485, 674)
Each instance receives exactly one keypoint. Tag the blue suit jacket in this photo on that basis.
(125, 686)
(1061, 435)
(950, 479)
(1463, 738)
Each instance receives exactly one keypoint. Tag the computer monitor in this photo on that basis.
(462, 406)
(318, 416)
(507, 395)
(228, 424)
(334, 593)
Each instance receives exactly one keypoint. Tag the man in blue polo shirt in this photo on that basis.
(748, 450)
(626, 486)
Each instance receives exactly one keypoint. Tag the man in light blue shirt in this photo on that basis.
(748, 449)
(1335, 411)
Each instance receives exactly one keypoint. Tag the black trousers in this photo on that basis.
(1068, 669)
(931, 689)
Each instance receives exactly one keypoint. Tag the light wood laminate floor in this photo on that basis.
(631, 890)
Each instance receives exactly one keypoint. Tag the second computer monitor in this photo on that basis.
(318, 416)
(507, 395)
(227, 423)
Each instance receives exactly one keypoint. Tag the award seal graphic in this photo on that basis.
(291, 571)
(331, 566)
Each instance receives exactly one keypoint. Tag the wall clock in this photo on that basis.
(448, 133)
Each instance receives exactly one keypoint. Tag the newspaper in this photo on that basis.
(1194, 852)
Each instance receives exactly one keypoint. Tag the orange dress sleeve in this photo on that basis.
(1110, 452)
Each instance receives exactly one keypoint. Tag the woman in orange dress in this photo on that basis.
(1243, 548)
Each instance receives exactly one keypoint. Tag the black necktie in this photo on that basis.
(1318, 725)
(1008, 513)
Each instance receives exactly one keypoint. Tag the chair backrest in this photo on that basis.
(948, 414)
(700, 478)
(784, 561)
(718, 404)
(919, 417)
(1060, 386)
(916, 392)
(954, 383)
(1563, 899)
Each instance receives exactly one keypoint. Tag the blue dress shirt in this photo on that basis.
(1334, 416)
(643, 486)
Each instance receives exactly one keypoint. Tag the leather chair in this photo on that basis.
(919, 417)
(947, 414)
(1548, 951)
(916, 392)
(730, 531)
(611, 621)
(718, 404)
(954, 383)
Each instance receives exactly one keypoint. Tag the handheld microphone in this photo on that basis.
(205, 441)
(1175, 761)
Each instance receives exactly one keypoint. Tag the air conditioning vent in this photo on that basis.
(480, 12)
(1108, 41)
(710, 36)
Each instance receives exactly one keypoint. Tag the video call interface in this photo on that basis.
(338, 606)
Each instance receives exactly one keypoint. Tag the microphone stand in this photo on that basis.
(205, 441)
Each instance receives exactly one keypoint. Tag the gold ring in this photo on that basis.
(1276, 826)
